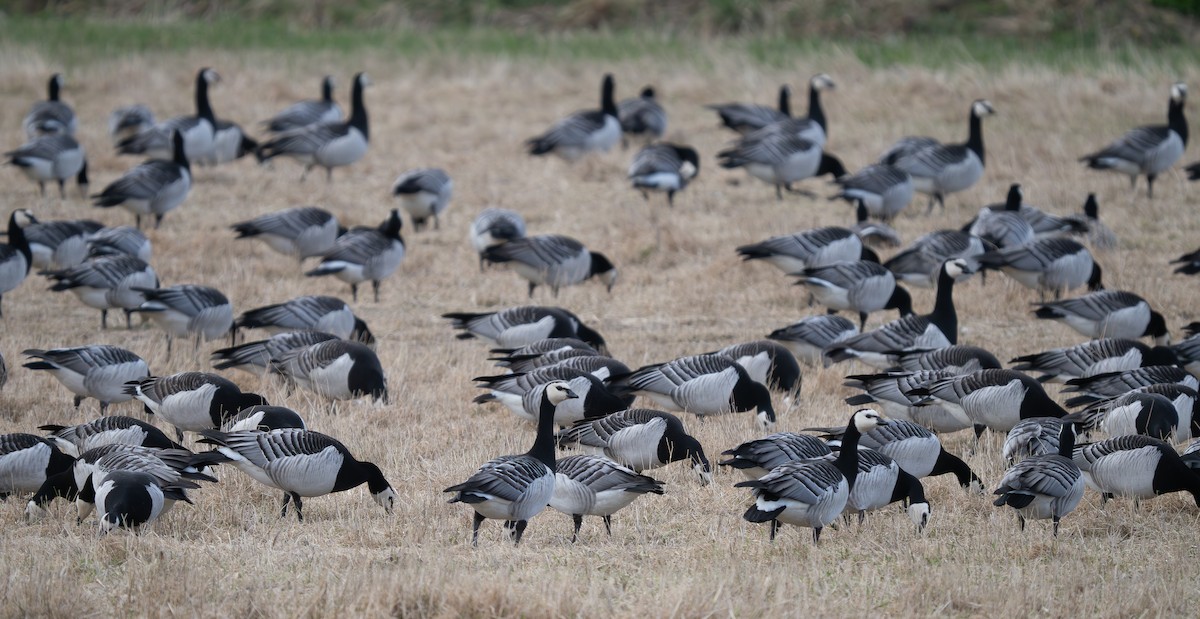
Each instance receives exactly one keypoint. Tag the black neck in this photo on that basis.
(1013, 203)
(815, 112)
(1176, 120)
(944, 315)
(900, 301)
(608, 103)
(785, 101)
(17, 240)
(391, 227)
(52, 90)
(354, 473)
(1091, 209)
(178, 155)
(950, 463)
(327, 90)
(358, 110)
(543, 445)
(1066, 441)
(847, 460)
(203, 109)
(908, 487)
(975, 138)
(1037, 403)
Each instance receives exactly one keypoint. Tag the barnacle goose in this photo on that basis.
(1103, 386)
(494, 226)
(336, 369)
(958, 359)
(768, 363)
(700, 384)
(809, 337)
(586, 485)
(108, 282)
(97, 371)
(26, 461)
(642, 117)
(757, 457)
(1033, 436)
(1004, 227)
(582, 132)
(811, 493)
(664, 167)
(519, 393)
(302, 232)
(525, 324)
(52, 116)
(307, 112)
(1135, 412)
(917, 450)
(264, 418)
(1043, 223)
(881, 482)
(1044, 486)
(1099, 235)
(553, 260)
(116, 429)
(423, 193)
(747, 117)
(780, 159)
(230, 143)
(1148, 150)
(812, 127)
(1188, 353)
(191, 400)
(301, 463)
(128, 121)
(263, 356)
(921, 263)
(1108, 313)
(597, 365)
(152, 188)
(52, 158)
(941, 169)
(198, 131)
(16, 257)
(132, 500)
(121, 240)
(873, 233)
(1189, 263)
(1136, 466)
(817, 247)
(308, 313)
(890, 391)
(185, 309)
(861, 287)
(508, 357)
(328, 144)
(641, 439)
(1047, 265)
(883, 189)
(61, 243)
(518, 487)
(1093, 357)
(995, 399)
(176, 468)
(365, 254)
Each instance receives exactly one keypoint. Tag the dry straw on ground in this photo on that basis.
(687, 553)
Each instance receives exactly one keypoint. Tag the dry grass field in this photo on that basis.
(687, 553)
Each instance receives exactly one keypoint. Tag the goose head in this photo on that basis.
(558, 392)
(957, 268)
(691, 162)
(1178, 92)
(919, 514)
(981, 108)
(1157, 329)
(209, 76)
(23, 218)
(603, 268)
(381, 491)
(866, 420)
(647, 92)
(57, 82)
(821, 81)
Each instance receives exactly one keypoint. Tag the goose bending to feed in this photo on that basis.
(184, 309)
(1047, 265)
(1004, 227)
(154, 187)
(108, 282)
(641, 439)
(587, 485)
(307, 112)
(941, 169)
(813, 493)
(936, 329)
(16, 257)
(1034, 436)
(553, 260)
(664, 167)
(97, 371)
(1148, 150)
(890, 391)
(1093, 357)
(52, 116)
(521, 394)
(861, 287)
(958, 359)
(817, 247)
(112, 430)
(132, 500)
(365, 254)
(328, 144)
(921, 262)
(747, 117)
(583, 132)
(518, 326)
(1044, 486)
(917, 450)
(263, 356)
(1108, 314)
(809, 337)
(61, 243)
(518, 487)
(1136, 466)
(780, 159)
(758, 457)
(873, 233)
(301, 463)
(992, 399)
(175, 468)
(336, 369)
(302, 232)
(121, 240)
(880, 483)
(768, 363)
(700, 384)
(884, 190)
(27, 461)
(308, 313)
(264, 418)
(642, 117)
(1104, 386)
(56, 158)
(1134, 413)
(494, 226)
(191, 401)
(423, 193)
(198, 131)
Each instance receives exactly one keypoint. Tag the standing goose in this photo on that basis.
(941, 169)
(890, 391)
(1108, 314)
(812, 127)
(301, 463)
(1136, 466)
(593, 486)
(191, 401)
(198, 131)
(702, 385)
(1044, 486)
(26, 461)
(1093, 357)
(52, 116)
(861, 287)
(992, 399)
(641, 439)
(230, 143)
(520, 394)
(108, 282)
(423, 193)
(518, 487)
(880, 483)
(1148, 150)
(327, 144)
(1043, 223)
(55, 158)
(818, 247)
(365, 254)
(152, 188)
(642, 117)
(936, 329)
(121, 240)
(97, 371)
(917, 450)
(16, 257)
(518, 326)
(920, 264)
(302, 232)
(112, 430)
(553, 260)
(1047, 265)
(958, 359)
(494, 226)
(582, 132)
(756, 458)
(307, 112)
(809, 337)
(813, 493)
(184, 310)
(747, 117)
(664, 167)
(336, 369)
(308, 313)
(780, 159)
(883, 189)
(768, 363)
(264, 356)
(60, 244)
(1004, 227)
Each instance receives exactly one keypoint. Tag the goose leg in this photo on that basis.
(1056, 526)
(1150, 185)
(531, 287)
(816, 535)
(578, 520)
(128, 319)
(62, 190)
(1021, 521)
(774, 529)
(287, 496)
(375, 287)
(103, 319)
(354, 292)
(178, 436)
(608, 524)
(78, 400)
(862, 321)
(299, 507)
(862, 515)
(519, 530)
(475, 528)
(138, 220)
(157, 220)
(778, 192)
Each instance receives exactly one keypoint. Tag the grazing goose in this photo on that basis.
(702, 385)
(301, 463)
(664, 167)
(108, 282)
(812, 127)
(883, 189)
(264, 356)
(1099, 235)
(818, 247)
(757, 457)
(154, 187)
(768, 363)
(518, 487)
(812, 493)
(890, 391)
(642, 117)
(1183, 398)
(1103, 386)
(933, 330)
(1108, 314)
(587, 485)
(880, 483)
(132, 500)
(59, 244)
(175, 468)
(582, 132)
(553, 260)
(302, 232)
(1047, 265)
(917, 450)
(1043, 223)
(1034, 436)
(128, 121)
(121, 240)
(52, 116)
(183, 310)
(308, 313)
(1189, 263)
(873, 233)
(641, 439)
(597, 365)
(1148, 150)
(906, 146)
(26, 461)
(264, 418)
(113, 430)
(861, 287)
(992, 399)
(191, 401)
(520, 394)
(55, 158)
(809, 337)
(747, 117)
(957, 359)
(550, 345)
(1187, 352)
(365, 254)
(1133, 413)
(518, 326)
(197, 131)
(1044, 486)
(16, 257)
(1093, 357)
(307, 112)
(780, 159)
(941, 169)
(328, 144)
(336, 369)
(1136, 466)
(1005, 227)
(423, 193)
(494, 226)
(920, 264)
(97, 371)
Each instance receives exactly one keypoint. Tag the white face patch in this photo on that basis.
(956, 268)
(687, 170)
(1178, 91)
(821, 81)
(211, 76)
(866, 420)
(982, 108)
(919, 514)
